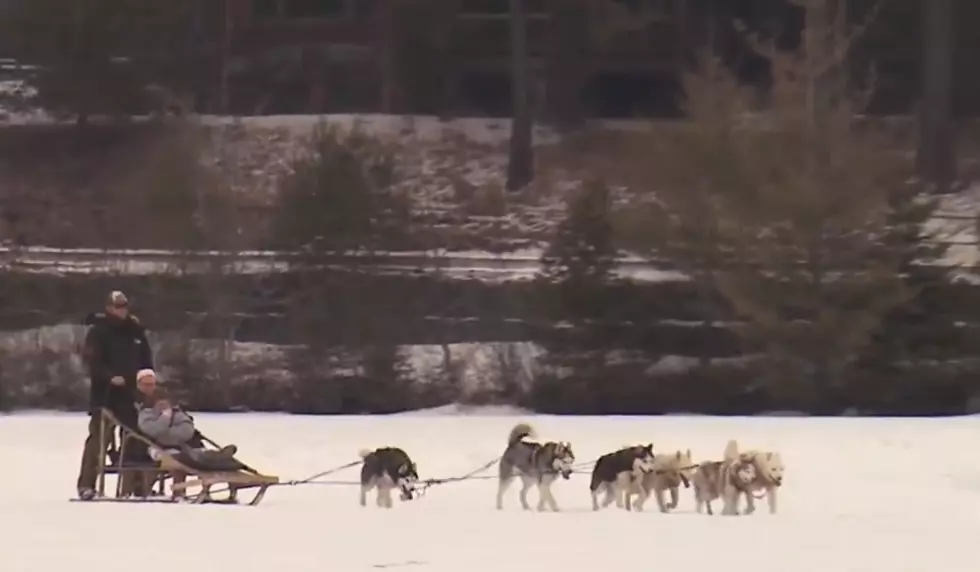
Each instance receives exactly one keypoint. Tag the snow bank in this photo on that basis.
(523, 264)
(956, 223)
(46, 359)
(16, 90)
(423, 128)
(468, 411)
(48, 356)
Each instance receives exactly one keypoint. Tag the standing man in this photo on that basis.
(115, 349)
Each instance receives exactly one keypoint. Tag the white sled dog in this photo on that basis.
(536, 463)
(769, 471)
(669, 471)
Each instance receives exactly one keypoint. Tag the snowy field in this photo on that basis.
(861, 495)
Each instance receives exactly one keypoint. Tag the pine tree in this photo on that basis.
(339, 208)
(576, 270)
(581, 259)
(340, 197)
(100, 56)
(799, 200)
(921, 328)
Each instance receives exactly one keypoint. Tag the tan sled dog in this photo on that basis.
(769, 471)
(669, 471)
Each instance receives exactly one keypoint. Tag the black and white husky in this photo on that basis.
(615, 472)
(387, 468)
(535, 463)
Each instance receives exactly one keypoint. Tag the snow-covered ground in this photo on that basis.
(861, 495)
(522, 264)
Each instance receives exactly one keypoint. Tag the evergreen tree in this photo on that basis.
(576, 270)
(340, 198)
(581, 259)
(799, 202)
(387, 384)
(339, 209)
(100, 56)
(920, 329)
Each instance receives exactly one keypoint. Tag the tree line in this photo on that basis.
(804, 235)
(113, 57)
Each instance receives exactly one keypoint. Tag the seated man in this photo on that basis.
(173, 429)
(133, 452)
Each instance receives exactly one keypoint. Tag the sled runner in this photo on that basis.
(184, 471)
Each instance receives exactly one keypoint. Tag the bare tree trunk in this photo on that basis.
(80, 21)
(225, 55)
(936, 156)
(383, 46)
(566, 73)
(520, 166)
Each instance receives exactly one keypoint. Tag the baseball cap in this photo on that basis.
(117, 299)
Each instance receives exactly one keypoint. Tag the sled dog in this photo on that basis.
(769, 471)
(712, 477)
(535, 463)
(615, 472)
(387, 468)
(669, 471)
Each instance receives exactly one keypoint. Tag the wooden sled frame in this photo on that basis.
(169, 466)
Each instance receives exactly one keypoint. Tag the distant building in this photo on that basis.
(452, 57)
(446, 55)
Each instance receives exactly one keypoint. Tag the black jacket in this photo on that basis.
(115, 347)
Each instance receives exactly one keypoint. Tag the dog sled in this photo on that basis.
(189, 481)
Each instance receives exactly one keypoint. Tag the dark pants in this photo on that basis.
(209, 460)
(135, 452)
(89, 470)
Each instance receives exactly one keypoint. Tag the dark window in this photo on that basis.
(631, 5)
(265, 9)
(314, 8)
(365, 8)
(662, 7)
(499, 6)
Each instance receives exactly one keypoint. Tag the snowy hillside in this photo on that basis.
(454, 170)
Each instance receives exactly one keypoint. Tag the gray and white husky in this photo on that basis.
(387, 468)
(535, 463)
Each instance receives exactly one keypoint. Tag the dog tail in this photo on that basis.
(520, 431)
(731, 450)
(363, 453)
(595, 481)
